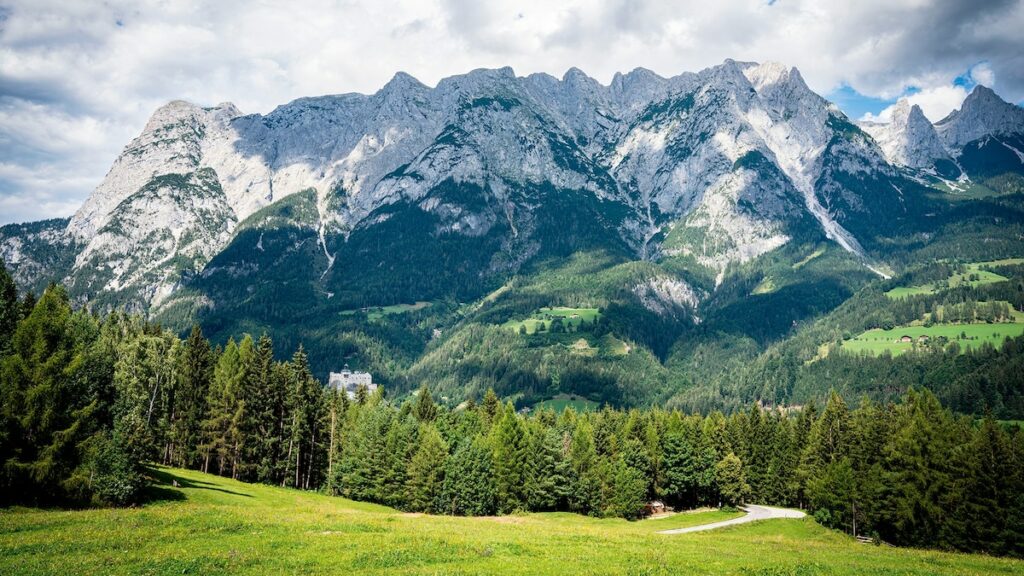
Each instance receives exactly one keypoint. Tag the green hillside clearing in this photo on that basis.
(562, 401)
(975, 275)
(545, 316)
(211, 525)
(966, 335)
(377, 313)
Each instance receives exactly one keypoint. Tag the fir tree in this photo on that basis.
(194, 371)
(509, 447)
(424, 409)
(469, 480)
(426, 472)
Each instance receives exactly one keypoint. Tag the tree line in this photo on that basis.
(87, 403)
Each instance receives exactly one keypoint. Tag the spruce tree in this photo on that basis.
(426, 475)
(469, 480)
(550, 473)
(10, 310)
(194, 372)
(221, 427)
(424, 408)
(45, 409)
(585, 495)
(509, 447)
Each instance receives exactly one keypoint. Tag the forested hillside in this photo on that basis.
(87, 402)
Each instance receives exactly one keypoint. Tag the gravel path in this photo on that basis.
(754, 513)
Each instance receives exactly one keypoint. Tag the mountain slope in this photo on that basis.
(718, 209)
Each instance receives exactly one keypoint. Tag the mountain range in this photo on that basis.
(491, 195)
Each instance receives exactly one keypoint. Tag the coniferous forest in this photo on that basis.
(89, 402)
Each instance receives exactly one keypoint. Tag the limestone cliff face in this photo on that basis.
(721, 166)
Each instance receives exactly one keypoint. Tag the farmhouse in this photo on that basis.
(350, 381)
(906, 338)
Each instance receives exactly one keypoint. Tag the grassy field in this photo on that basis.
(960, 279)
(878, 340)
(212, 525)
(377, 313)
(544, 316)
(563, 401)
(766, 286)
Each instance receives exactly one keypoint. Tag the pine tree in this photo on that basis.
(490, 405)
(424, 409)
(264, 395)
(509, 446)
(305, 407)
(682, 473)
(585, 496)
(917, 475)
(550, 473)
(426, 472)
(224, 410)
(469, 480)
(364, 467)
(194, 372)
(10, 310)
(46, 411)
(629, 483)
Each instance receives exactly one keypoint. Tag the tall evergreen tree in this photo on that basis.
(46, 412)
(10, 310)
(424, 408)
(192, 382)
(222, 426)
(426, 472)
(509, 446)
(469, 480)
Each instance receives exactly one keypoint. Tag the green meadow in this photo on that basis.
(563, 401)
(211, 525)
(545, 316)
(966, 335)
(377, 313)
(977, 270)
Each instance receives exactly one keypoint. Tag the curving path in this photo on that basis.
(754, 513)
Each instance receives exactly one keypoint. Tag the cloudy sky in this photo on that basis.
(78, 78)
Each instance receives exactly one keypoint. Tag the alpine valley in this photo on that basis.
(702, 241)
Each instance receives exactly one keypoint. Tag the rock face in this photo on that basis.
(909, 139)
(716, 167)
(982, 114)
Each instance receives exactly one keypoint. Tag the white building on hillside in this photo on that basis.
(349, 381)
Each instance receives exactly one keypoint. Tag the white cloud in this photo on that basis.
(983, 74)
(936, 103)
(89, 73)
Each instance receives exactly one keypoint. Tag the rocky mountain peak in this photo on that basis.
(908, 139)
(983, 113)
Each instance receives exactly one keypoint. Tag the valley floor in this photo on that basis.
(210, 525)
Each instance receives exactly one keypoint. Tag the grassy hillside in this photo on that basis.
(210, 525)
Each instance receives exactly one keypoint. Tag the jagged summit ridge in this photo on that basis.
(983, 113)
(721, 165)
(908, 139)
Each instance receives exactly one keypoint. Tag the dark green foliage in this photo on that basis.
(52, 395)
(424, 409)
(426, 476)
(10, 309)
(87, 402)
(117, 475)
(469, 480)
(188, 405)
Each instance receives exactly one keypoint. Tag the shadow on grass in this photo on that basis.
(166, 486)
